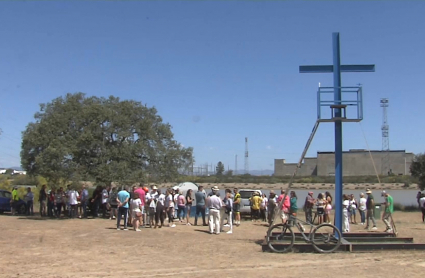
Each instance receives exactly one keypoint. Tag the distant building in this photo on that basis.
(354, 163)
(16, 172)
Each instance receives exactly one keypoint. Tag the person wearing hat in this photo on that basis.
(151, 199)
(369, 210)
(389, 209)
(308, 207)
(255, 206)
(214, 204)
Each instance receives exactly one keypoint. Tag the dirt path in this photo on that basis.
(94, 248)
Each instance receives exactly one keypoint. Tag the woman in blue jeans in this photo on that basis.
(362, 209)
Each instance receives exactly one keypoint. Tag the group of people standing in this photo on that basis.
(323, 208)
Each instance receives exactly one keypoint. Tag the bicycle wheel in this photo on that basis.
(326, 238)
(280, 238)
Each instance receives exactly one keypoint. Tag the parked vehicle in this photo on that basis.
(245, 203)
(5, 197)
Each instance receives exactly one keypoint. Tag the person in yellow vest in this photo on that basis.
(14, 200)
(237, 206)
(255, 206)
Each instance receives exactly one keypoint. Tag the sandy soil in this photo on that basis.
(32, 247)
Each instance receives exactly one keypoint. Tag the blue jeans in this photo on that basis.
(181, 212)
(201, 210)
(362, 216)
(30, 207)
(122, 211)
(84, 206)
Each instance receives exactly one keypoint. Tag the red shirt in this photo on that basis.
(142, 195)
(286, 204)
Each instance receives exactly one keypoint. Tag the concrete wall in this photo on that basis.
(355, 163)
(308, 168)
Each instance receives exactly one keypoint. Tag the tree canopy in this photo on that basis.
(77, 137)
(219, 169)
(417, 169)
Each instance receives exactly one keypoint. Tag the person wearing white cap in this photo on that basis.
(369, 210)
(389, 209)
(214, 204)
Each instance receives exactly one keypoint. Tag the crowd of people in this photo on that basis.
(264, 208)
(140, 207)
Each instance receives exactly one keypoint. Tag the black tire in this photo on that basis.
(22, 209)
(280, 238)
(326, 238)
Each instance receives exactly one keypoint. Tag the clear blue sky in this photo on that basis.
(217, 71)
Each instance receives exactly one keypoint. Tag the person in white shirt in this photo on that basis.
(345, 208)
(160, 210)
(73, 201)
(169, 203)
(362, 209)
(151, 199)
(105, 195)
(422, 205)
(136, 211)
(29, 198)
(214, 204)
(263, 207)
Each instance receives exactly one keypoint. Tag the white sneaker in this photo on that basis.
(188, 224)
(172, 226)
(229, 232)
(374, 228)
(118, 229)
(138, 230)
(226, 225)
(389, 230)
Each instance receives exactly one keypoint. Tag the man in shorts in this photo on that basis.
(285, 205)
(237, 206)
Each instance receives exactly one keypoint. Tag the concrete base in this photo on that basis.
(360, 242)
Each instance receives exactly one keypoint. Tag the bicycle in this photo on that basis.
(325, 238)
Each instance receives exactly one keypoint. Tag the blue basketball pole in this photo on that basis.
(338, 131)
(336, 69)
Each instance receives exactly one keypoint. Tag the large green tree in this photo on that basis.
(417, 169)
(77, 137)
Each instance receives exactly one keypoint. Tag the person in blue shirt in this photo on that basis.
(200, 205)
(123, 197)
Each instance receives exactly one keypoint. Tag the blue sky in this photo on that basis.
(218, 71)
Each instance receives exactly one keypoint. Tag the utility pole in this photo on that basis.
(246, 156)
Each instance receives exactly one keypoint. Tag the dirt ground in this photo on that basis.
(34, 247)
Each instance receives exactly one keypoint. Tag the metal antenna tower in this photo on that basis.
(385, 161)
(246, 156)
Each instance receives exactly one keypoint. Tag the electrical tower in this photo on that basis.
(246, 156)
(385, 160)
